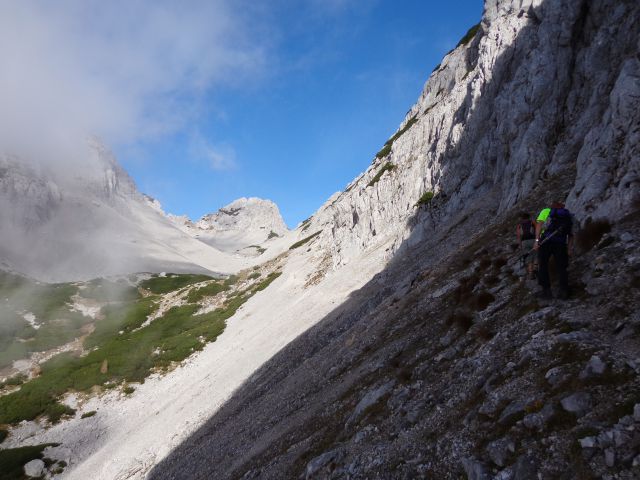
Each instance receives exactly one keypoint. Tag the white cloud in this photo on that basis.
(219, 157)
(122, 69)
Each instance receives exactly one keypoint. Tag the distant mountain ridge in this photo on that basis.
(243, 223)
(90, 220)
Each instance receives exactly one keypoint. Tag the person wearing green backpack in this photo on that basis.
(554, 238)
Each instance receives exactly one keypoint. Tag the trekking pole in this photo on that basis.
(526, 254)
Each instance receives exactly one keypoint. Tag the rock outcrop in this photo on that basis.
(244, 223)
(540, 89)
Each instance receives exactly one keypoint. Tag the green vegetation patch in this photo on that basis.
(88, 414)
(305, 224)
(48, 303)
(471, 33)
(260, 249)
(172, 282)
(425, 199)
(3, 435)
(106, 291)
(13, 459)
(386, 149)
(14, 381)
(387, 167)
(272, 234)
(266, 282)
(254, 275)
(122, 352)
(231, 280)
(299, 243)
(210, 290)
(124, 317)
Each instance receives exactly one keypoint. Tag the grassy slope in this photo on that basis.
(121, 350)
(48, 303)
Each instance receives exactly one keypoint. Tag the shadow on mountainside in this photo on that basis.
(429, 370)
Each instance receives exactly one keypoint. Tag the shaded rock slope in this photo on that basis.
(444, 365)
(448, 371)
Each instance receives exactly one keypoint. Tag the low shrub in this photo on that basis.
(3, 434)
(16, 380)
(461, 319)
(592, 232)
(267, 281)
(499, 262)
(230, 280)
(387, 167)
(12, 460)
(254, 275)
(88, 414)
(482, 300)
(305, 224)
(299, 243)
(483, 333)
(471, 33)
(484, 263)
(128, 390)
(386, 149)
(425, 199)
(172, 282)
(56, 410)
(106, 291)
(210, 290)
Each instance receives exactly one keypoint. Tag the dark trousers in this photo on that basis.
(559, 252)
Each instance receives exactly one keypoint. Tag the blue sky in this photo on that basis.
(205, 101)
(336, 85)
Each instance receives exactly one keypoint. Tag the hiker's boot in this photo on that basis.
(545, 294)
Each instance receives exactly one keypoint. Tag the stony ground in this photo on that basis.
(458, 372)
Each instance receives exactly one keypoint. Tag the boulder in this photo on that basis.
(321, 461)
(499, 451)
(34, 468)
(371, 398)
(512, 413)
(578, 403)
(595, 367)
(474, 469)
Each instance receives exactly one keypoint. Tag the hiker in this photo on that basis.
(554, 237)
(526, 233)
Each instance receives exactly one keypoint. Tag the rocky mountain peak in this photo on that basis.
(245, 214)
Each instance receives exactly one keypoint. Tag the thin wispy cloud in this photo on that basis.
(219, 157)
(122, 70)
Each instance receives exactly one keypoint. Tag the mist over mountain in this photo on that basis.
(87, 219)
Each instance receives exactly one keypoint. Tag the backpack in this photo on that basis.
(559, 225)
(527, 230)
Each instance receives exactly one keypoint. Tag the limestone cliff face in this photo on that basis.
(542, 89)
(245, 222)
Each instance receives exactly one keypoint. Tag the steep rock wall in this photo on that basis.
(543, 89)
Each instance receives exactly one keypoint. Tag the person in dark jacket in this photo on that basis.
(526, 234)
(554, 238)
